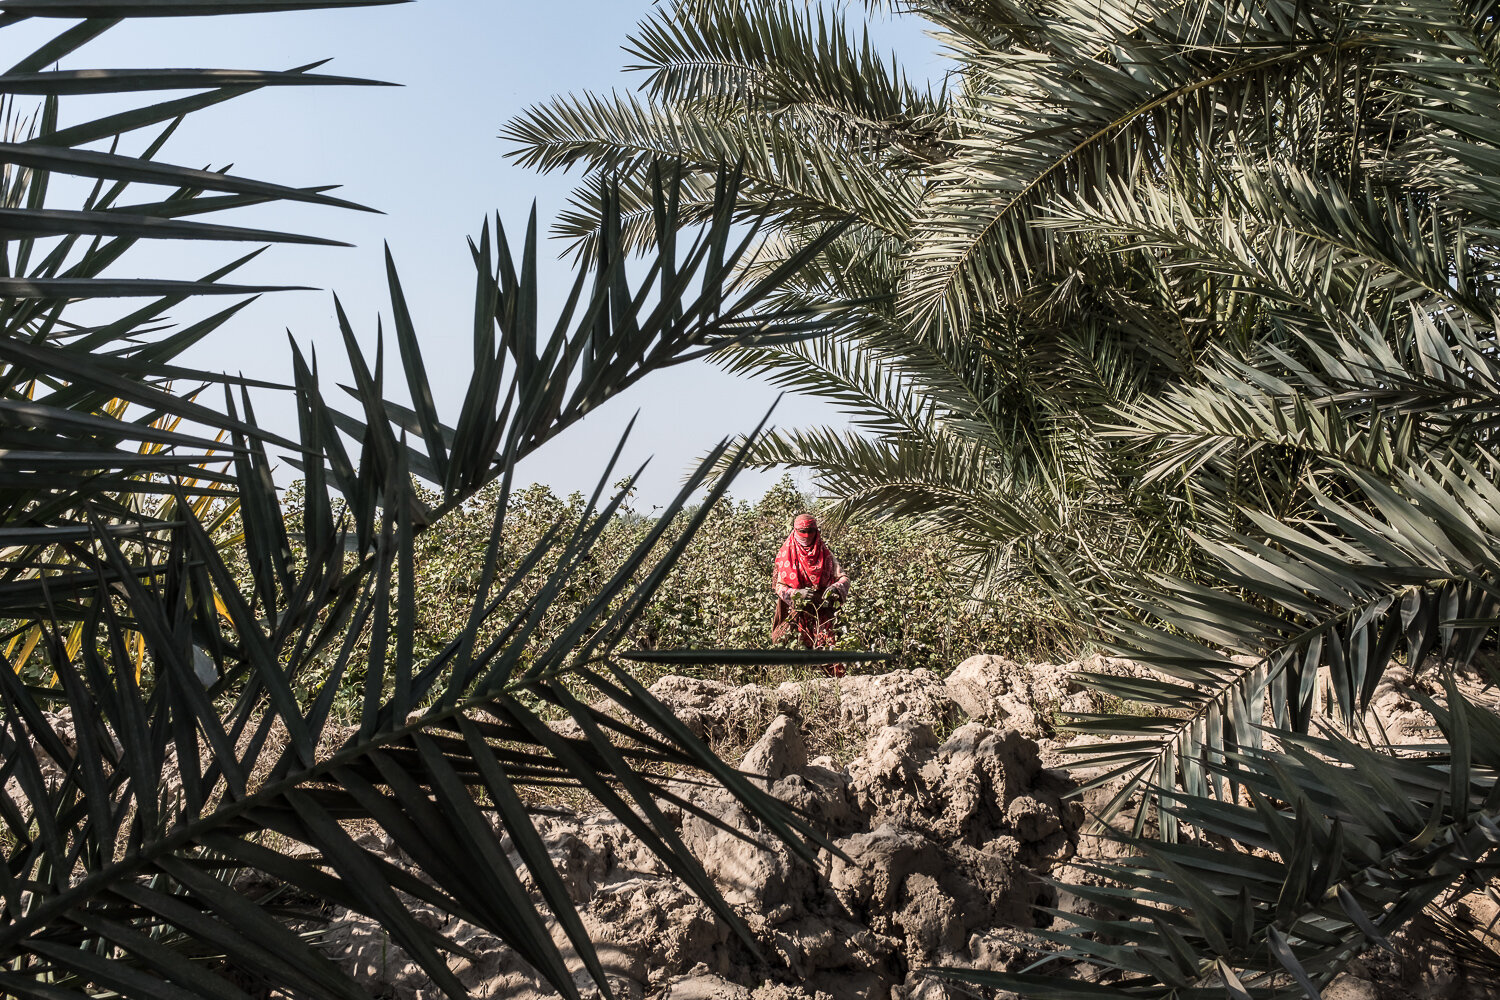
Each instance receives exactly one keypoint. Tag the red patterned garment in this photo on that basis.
(804, 560)
(809, 576)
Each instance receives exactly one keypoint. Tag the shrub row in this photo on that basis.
(905, 599)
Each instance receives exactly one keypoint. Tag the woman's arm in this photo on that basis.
(786, 593)
(840, 584)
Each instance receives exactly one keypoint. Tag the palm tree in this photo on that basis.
(984, 431)
(1123, 213)
(181, 744)
(1194, 319)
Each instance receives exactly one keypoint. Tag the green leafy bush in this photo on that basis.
(905, 600)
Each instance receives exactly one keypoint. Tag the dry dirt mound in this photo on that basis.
(989, 689)
(935, 793)
(946, 825)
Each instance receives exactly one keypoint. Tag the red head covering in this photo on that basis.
(804, 561)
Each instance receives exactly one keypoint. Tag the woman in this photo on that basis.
(810, 586)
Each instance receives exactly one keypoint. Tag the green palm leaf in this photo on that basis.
(1340, 845)
(449, 747)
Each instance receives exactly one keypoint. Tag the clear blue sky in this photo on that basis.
(426, 154)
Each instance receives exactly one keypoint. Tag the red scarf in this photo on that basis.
(809, 565)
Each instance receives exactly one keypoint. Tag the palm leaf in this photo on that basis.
(464, 732)
(1340, 846)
